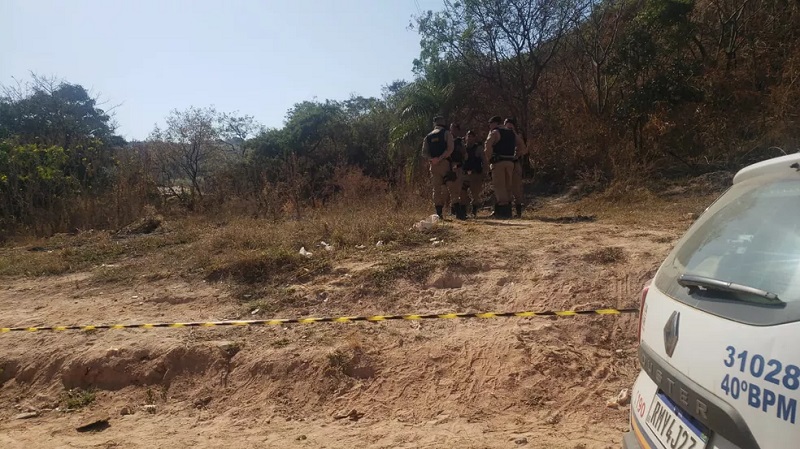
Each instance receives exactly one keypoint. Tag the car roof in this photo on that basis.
(775, 166)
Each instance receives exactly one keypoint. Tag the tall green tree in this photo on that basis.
(507, 43)
(440, 89)
(56, 145)
(54, 113)
(34, 190)
(654, 63)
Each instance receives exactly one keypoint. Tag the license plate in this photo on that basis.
(672, 427)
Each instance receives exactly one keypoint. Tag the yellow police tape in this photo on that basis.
(342, 319)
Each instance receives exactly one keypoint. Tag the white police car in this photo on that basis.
(719, 325)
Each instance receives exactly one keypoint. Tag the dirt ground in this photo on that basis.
(498, 383)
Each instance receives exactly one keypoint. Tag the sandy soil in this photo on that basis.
(498, 383)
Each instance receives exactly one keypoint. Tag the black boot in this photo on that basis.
(439, 212)
(519, 210)
(474, 210)
(454, 209)
(461, 211)
(504, 211)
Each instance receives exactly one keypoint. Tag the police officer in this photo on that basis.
(437, 146)
(473, 172)
(516, 175)
(499, 148)
(456, 176)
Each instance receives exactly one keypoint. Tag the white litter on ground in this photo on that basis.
(428, 223)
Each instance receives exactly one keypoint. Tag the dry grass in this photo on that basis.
(338, 361)
(663, 239)
(61, 254)
(20, 262)
(639, 206)
(64, 253)
(606, 256)
(416, 269)
(343, 225)
(270, 299)
(114, 274)
(253, 251)
(460, 261)
(260, 257)
(239, 249)
(270, 266)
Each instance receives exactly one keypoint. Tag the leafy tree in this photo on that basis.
(34, 188)
(652, 65)
(48, 112)
(57, 144)
(592, 43)
(442, 89)
(51, 112)
(507, 43)
(234, 130)
(187, 150)
(369, 121)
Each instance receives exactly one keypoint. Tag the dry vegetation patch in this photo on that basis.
(241, 249)
(475, 371)
(606, 255)
(268, 267)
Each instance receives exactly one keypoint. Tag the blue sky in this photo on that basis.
(258, 57)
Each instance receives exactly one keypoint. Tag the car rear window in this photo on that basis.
(749, 236)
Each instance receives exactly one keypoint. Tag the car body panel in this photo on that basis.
(752, 368)
(775, 165)
(737, 373)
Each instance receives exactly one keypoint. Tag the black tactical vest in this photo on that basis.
(437, 142)
(505, 146)
(474, 161)
(457, 156)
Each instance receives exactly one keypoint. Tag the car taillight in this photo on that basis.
(642, 310)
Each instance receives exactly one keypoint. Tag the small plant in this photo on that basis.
(338, 361)
(150, 397)
(280, 343)
(350, 360)
(77, 398)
